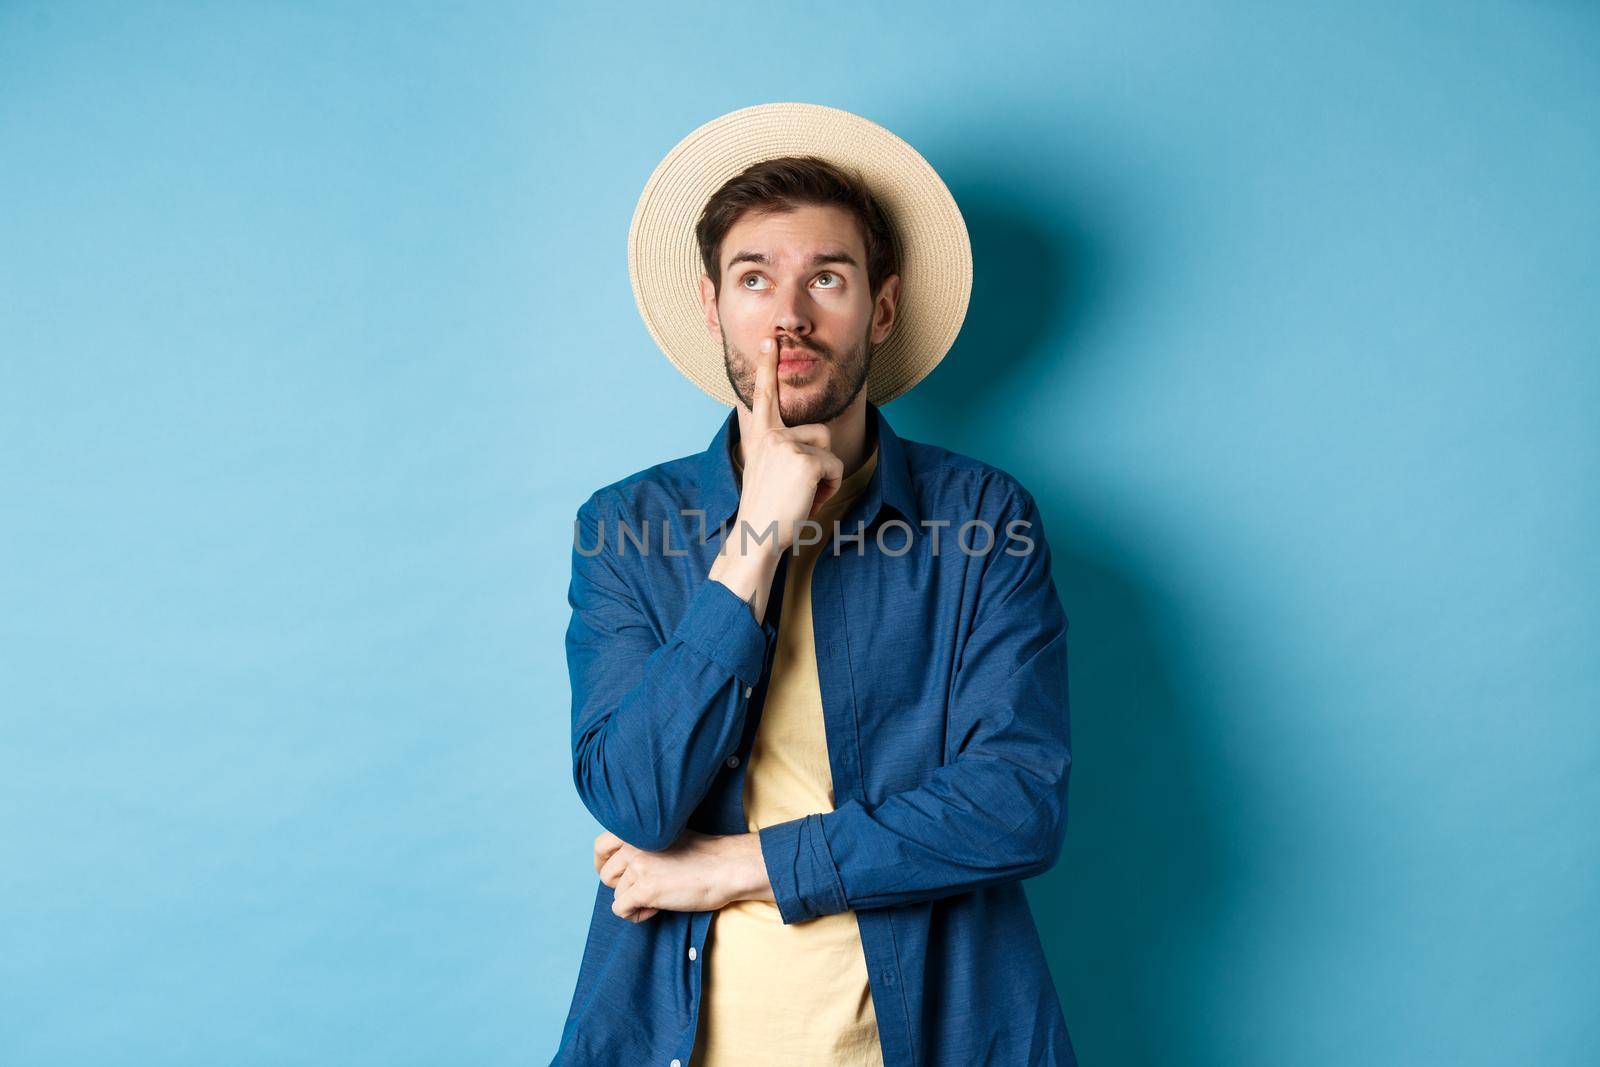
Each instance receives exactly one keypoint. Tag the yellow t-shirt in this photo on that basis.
(794, 995)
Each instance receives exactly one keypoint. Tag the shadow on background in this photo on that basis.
(1142, 884)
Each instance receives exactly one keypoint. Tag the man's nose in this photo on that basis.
(793, 315)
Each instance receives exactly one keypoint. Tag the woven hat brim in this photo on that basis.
(664, 264)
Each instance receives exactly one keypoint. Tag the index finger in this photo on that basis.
(764, 400)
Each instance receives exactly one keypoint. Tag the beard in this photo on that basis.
(840, 379)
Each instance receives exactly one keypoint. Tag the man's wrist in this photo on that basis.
(748, 576)
(747, 869)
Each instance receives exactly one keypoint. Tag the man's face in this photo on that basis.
(801, 277)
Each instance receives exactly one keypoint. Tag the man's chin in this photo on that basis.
(801, 402)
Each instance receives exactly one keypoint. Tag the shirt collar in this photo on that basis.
(890, 484)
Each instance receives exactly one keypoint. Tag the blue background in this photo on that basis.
(316, 329)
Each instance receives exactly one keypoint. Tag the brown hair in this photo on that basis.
(785, 183)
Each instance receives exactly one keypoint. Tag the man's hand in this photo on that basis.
(788, 470)
(700, 872)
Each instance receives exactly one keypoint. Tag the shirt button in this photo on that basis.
(733, 761)
(693, 952)
(749, 689)
(677, 1063)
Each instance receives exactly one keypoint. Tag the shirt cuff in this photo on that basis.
(805, 881)
(723, 628)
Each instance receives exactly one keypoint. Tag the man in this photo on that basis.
(819, 671)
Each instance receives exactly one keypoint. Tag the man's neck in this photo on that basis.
(848, 433)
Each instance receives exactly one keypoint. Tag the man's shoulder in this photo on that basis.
(673, 480)
(946, 480)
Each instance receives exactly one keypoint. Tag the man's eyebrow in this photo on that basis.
(837, 255)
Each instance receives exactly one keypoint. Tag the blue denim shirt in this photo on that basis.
(942, 654)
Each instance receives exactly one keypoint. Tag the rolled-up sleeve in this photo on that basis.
(996, 812)
(652, 720)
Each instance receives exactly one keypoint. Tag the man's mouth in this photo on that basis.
(791, 360)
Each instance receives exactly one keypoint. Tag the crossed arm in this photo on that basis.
(652, 723)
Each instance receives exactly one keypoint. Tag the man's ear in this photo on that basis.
(883, 308)
(708, 303)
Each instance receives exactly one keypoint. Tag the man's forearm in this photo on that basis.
(747, 571)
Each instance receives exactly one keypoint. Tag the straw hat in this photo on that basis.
(664, 261)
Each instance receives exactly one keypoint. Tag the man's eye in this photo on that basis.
(834, 281)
